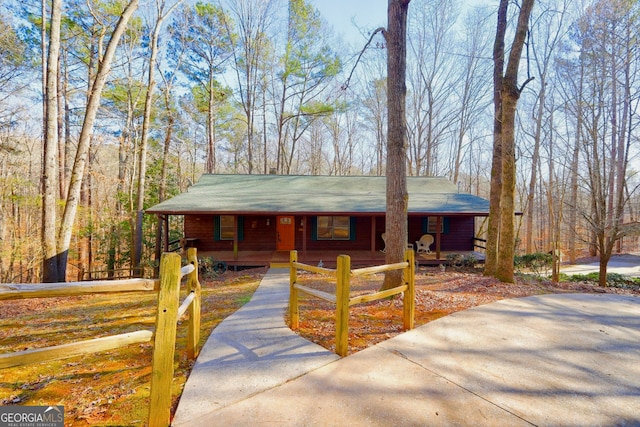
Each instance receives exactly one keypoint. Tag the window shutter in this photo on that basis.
(240, 228)
(352, 228)
(314, 227)
(216, 227)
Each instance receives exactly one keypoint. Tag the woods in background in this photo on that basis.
(140, 99)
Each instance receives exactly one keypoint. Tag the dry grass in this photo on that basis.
(110, 388)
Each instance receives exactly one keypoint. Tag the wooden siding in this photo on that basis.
(457, 236)
(200, 227)
(258, 236)
(460, 234)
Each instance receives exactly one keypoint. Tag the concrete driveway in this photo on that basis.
(549, 360)
(627, 264)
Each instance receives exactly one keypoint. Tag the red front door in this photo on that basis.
(285, 233)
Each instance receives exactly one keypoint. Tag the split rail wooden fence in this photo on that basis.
(342, 298)
(168, 313)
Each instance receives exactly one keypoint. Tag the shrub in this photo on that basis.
(537, 262)
(469, 260)
(455, 259)
(615, 280)
(459, 260)
(210, 268)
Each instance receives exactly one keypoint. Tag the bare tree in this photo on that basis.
(549, 28)
(253, 18)
(200, 31)
(341, 129)
(471, 96)
(51, 267)
(571, 86)
(501, 231)
(161, 15)
(309, 65)
(432, 80)
(396, 227)
(607, 55)
(375, 113)
(82, 152)
(13, 66)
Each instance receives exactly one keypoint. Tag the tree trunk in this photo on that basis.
(50, 272)
(211, 129)
(142, 159)
(265, 152)
(77, 173)
(65, 144)
(535, 160)
(162, 194)
(575, 159)
(506, 239)
(505, 107)
(146, 123)
(397, 196)
(60, 128)
(43, 59)
(573, 197)
(493, 227)
(555, 210)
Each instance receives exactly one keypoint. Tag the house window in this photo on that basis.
(432, 224)
(227, 227)
(333, 228)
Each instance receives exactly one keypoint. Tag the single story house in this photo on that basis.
(251, 220)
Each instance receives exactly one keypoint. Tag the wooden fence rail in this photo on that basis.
(168, 313)
(342, 299)
(48, 290)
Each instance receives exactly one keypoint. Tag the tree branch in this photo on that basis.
(382, 30)
(526, 82)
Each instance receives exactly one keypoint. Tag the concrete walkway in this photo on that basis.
(250, 352)
(552, 360)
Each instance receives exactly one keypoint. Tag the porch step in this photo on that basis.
(279, 264)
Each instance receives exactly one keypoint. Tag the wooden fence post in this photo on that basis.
(409, 300)
(343, 275)
(165, 341)
(193, 285)
(294, 311)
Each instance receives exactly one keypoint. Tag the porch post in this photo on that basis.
(304, 233)
(373, 234)
(438, 235)
(165, 220)
(235, 237)
(159, 234)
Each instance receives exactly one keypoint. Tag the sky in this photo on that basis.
(366, 14)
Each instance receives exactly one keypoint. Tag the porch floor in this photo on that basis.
(328, 258)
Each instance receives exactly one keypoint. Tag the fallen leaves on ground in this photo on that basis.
(111, 387)
(437, 294)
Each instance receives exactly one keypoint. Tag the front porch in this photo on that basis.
(358, 258)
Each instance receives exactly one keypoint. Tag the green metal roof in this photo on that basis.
(295, 194)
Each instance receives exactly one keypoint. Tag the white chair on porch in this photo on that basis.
(384, 239)
(423, 245)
